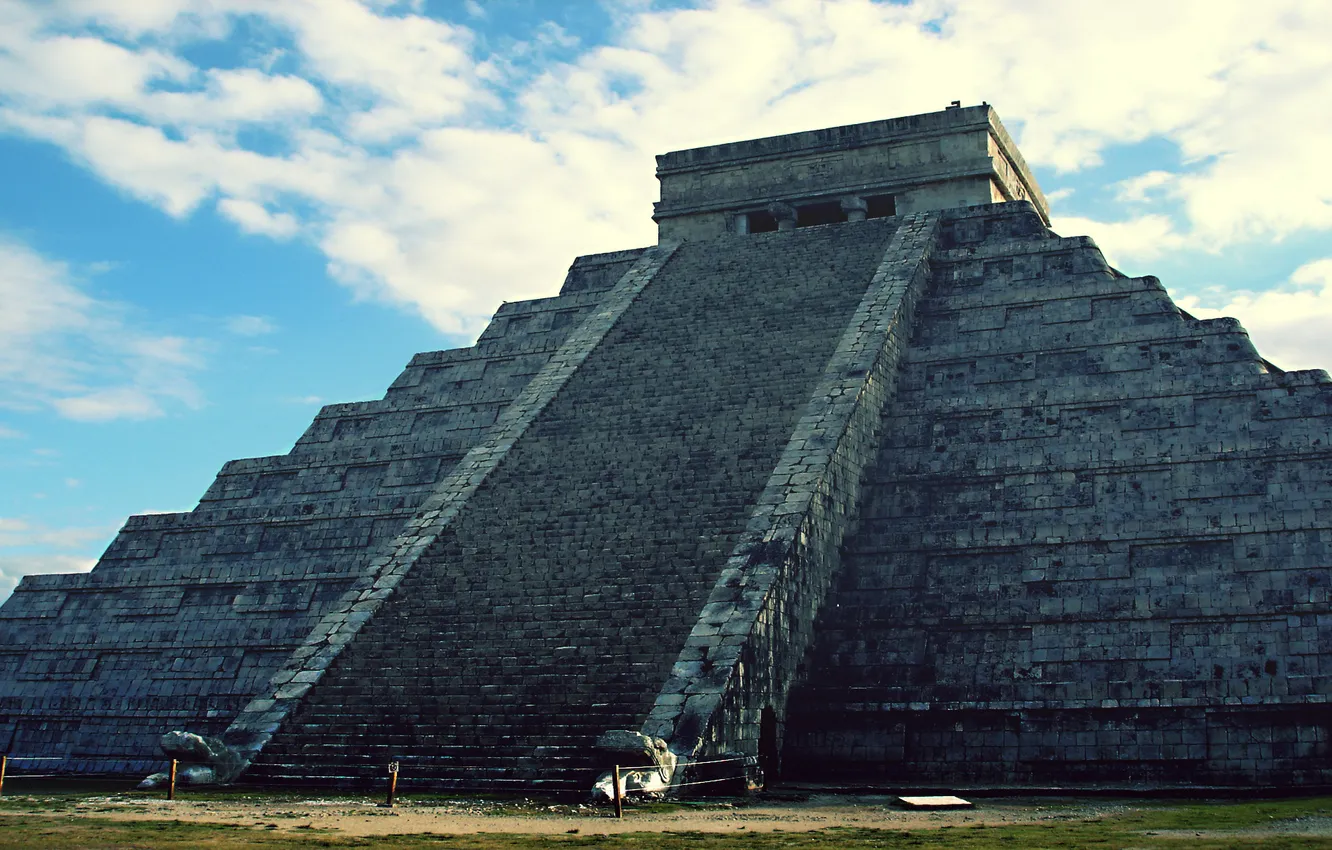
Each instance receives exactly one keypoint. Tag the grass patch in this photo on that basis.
(49, 823)
(1231, 815)
(49, 834)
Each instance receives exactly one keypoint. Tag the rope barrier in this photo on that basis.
(53, 758)
(749, 759)
(719, 761)
(704, 781)
(106, 774)
(6, 760)
(514, 785)
(133, 758)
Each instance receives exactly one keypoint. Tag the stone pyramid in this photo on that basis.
(861, 470)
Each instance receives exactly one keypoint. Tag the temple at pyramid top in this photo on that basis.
(959, 157)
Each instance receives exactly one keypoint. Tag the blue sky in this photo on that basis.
(216, 215)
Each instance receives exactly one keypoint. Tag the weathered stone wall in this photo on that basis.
(187, 616)
(552, 606)
(1096, 544)
(598, 272)
(956, 157)
(946, 194)
(1012, 181)
(254, 727)
(743, 651)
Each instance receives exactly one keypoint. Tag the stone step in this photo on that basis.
(1074, 507)
(575, 573)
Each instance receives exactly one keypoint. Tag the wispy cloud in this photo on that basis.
(63, 349)
(28, 548)
(14, 567)
(1138, 189)
(250, 325)
(255, 218)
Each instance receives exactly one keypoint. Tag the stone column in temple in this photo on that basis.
(785, 215)
(856, 209)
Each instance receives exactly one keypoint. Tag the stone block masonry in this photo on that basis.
(555, 603)
(940, 160)
(264, 715)
(1096, 545)
(188, 616)
(743, 652)
(867, 476)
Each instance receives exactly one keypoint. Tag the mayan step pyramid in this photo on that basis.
(861, 470)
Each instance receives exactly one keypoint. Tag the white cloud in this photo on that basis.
(174, 174)
(254, 218)
(1138, 188)
(131, 19)
(63, 72)
(7, 433)
(1142, 238)
(63, 349)
(17, 532)
(552, 34)
(105, 405)
(1288, 324)
(233, 97)
(413, 71)
(395, 158)
(32, 548)
(250, 325)
(14, 567)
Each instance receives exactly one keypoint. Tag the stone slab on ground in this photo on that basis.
(944, 801)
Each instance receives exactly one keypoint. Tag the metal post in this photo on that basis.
(4, 763)
(171, 788)
(619, 797)
(393, 783)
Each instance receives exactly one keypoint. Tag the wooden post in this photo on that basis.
(393, 783)
(171, 788)
(619, 797)
(4, 763)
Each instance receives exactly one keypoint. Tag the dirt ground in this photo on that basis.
(365, 817)
(333, 819)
